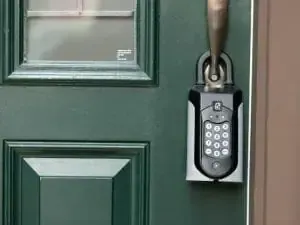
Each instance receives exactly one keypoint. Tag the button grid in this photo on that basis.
(217, 139)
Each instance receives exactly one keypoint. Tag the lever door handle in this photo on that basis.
(217, 26)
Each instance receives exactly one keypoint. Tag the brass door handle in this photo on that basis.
(217, 26)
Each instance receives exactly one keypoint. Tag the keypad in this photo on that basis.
(217, 139)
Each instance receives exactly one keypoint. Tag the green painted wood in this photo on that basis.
(80, 201)
(102, 183)
(48, 120)
(75, 191)
(78, 191)
(122, 197)
(27, 210)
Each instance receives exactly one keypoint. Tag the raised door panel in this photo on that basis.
(75, 183)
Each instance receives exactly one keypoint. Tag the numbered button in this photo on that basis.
(225, 143)
(225, 126)
(217, 128)
(208, 143)
(217, 145)
(208, 151)
(217, 137)
(225, 135)
(225, 152)
(217, 154)
(208, 134)
(208, 126)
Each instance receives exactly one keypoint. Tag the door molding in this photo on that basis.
(260, 113)
(274, 178)
(142, 72)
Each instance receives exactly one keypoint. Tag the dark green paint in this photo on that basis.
(29, 190)
(91, 197)
(81, 201)
(155, 114)
(121, 197)
(115, 194)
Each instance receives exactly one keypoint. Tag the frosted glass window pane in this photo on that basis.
(108, 4)
(80, 38)
(52, 5)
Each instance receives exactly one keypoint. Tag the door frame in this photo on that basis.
(259, 111)
(273, 185)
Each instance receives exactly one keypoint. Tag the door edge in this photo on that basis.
(258, 131)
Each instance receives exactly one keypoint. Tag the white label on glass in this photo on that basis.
(123, 54)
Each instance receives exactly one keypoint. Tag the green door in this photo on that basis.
(93, 112)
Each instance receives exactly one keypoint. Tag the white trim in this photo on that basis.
(248, 214)
(79, 13)
(79, 5)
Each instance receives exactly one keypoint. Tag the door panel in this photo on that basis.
(76, 183)
(104, 142)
